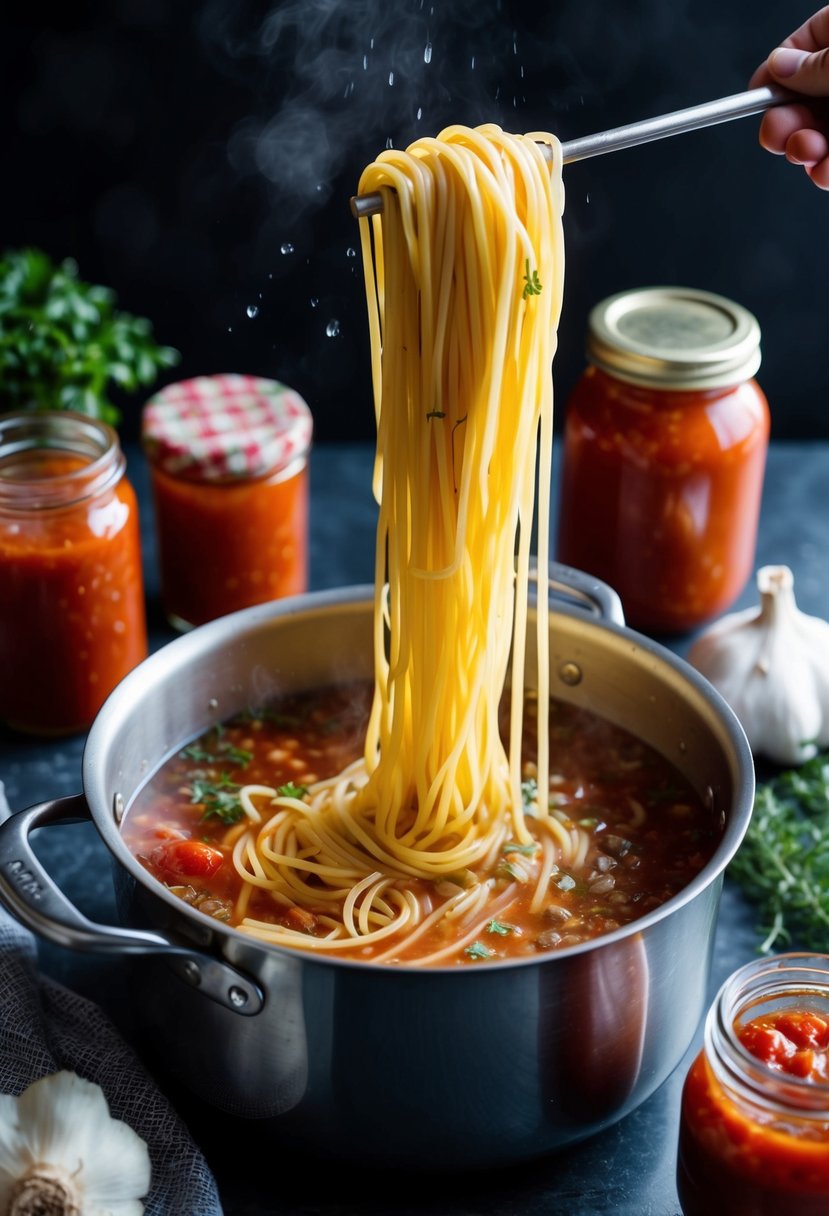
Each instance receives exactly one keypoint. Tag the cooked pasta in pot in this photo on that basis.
(435, 826)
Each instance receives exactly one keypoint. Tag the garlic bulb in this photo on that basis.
(62, 1153)
(772, 667)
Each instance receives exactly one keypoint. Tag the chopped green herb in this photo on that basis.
(478, 950)
(436, 414)
(507, 870)
(495, 926)
(589, 822)
(783, 863)
(532, 286)
(225, 753)
(290, 790)
(529, 794)
(220, 799)
(526, 849)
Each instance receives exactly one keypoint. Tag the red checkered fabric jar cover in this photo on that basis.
(225, 428)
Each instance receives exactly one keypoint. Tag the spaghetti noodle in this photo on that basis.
(464, 279)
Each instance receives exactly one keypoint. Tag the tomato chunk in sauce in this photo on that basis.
(648, 832)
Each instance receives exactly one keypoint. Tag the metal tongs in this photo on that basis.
(708, 114)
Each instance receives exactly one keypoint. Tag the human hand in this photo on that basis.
(800, 130)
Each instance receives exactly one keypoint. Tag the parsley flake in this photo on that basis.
(220, 799)
(478, 951)
(290, 790)
(532, 286)
(495, 926)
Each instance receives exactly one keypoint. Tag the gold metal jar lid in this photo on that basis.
(674, 338)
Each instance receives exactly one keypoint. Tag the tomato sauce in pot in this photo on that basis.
(648, 832)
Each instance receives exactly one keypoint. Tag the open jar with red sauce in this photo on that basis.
(754, 1127)
(72, 619)
(665, 446)
(228, 458)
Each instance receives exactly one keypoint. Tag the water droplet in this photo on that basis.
(419, 113)
(522, 71)
(587, 198)
(391, 78)
(473, 63)
(270, 274)
(314, 302)
(515, 44)
(332, 329)
(286, 247)
(427, 53)
(230, 329)
(371, 44)
(365, 63)
(252, 311)
(389, 142)
(351, 252)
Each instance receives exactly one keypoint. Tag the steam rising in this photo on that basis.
(338, 80)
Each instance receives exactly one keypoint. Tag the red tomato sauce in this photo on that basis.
(258, 527)
(740, 1158)
(649, 833)
(72, 620)
(661, 493)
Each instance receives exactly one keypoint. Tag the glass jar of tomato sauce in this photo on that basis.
(228, 458)
(665, 446)
(72, 619)
(754, 1127)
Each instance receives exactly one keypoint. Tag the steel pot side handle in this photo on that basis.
(588, 594)
(31, 895)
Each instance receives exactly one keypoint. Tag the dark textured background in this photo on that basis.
(198, 156)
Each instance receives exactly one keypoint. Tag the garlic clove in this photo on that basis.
(771, 664)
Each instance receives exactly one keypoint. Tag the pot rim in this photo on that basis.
(177, 652)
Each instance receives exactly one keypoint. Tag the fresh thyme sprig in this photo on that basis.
(532, 285)
(783, 863)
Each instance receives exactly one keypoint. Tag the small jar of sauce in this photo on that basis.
(228, 458)
(665, 446)
(754, 1126)
(72, 620)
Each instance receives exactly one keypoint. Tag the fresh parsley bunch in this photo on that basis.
(63, 345)
(783, 863)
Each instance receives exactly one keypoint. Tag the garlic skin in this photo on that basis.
(62, 1153)
(772, 667)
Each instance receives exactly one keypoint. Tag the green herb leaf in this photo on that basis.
(526, 849)
(436, 414)
(532, 286)
(529, 794)
(507, 870)
(783, 862)
(292, 791)
(495, 926)
(478, 951)
(225, 753)
(63, 345)
(220, 799)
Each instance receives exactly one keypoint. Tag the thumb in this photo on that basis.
(799, 70)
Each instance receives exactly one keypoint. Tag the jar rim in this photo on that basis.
(59, 431)
(784, 981)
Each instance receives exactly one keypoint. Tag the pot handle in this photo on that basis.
(585, 592)
(32, 896)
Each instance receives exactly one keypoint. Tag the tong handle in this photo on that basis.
(708, 114)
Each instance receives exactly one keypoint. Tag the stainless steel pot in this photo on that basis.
(452, 1066)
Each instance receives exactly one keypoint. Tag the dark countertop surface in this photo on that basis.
(627, 1170)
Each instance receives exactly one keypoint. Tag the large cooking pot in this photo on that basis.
(445, 1066)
